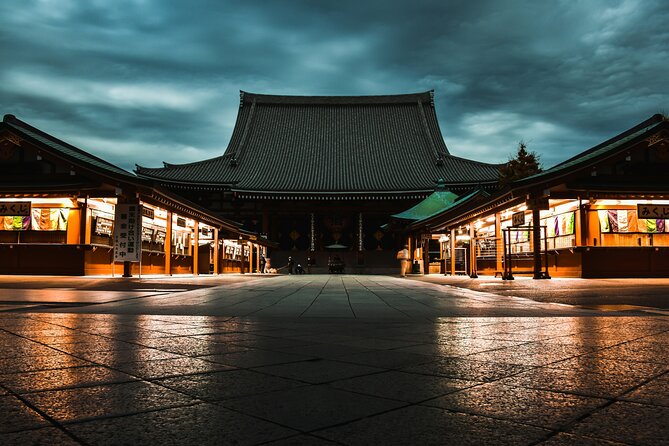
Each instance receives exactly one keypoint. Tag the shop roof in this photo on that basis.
(343, 144)
(462, 203)
(576, 167)
(115, 175)
(438, 201)
(67, 151)
(601, 150)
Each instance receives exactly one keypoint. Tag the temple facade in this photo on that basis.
(321, 175)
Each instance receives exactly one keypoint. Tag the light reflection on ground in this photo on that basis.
(114, 378)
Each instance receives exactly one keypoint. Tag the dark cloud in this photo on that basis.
(147, 81)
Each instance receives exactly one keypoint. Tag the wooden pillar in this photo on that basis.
(258, 258)
(216, 251)
(250, 243)
(242, 266)
(73, 233)
(536, 243)
(168, 244)
(85, 223)
(425, 243)
(472, 252)
(452, 240)
(196, 248)
(582, 224)
(499, 243)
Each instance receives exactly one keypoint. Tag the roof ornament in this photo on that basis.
(241, 99)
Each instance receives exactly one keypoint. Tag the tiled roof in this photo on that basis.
(67, 150)
(332, 144)
(601, 150)
(436, 202)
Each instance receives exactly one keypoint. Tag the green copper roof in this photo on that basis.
(438, 201)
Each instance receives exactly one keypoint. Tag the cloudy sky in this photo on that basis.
(147, 81)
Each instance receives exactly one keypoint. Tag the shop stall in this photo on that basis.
(602, 213)
(58, 214)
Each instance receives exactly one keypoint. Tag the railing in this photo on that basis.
(487, 247)
(562, 241)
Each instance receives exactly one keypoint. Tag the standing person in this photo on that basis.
(403, 257)
(291, 262)
(262, 264)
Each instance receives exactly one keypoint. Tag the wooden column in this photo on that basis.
(250, 243)
(85, 223)
(536, 243)
(168, 244)
(472, 252)
(242, 265)
(452, 240)
(216, 251)
(499, 243)
(196, 248)
(258, 258)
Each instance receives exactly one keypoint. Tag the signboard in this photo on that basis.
(652, 210)
(160, 237)
(103, 226)
(14, 208)
(148, 212)
(147, 234)
(538, 204)
(518, 219)
(127, 232)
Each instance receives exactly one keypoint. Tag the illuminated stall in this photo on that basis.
(602, 213)
(58, 211)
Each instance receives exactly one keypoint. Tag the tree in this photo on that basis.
(523, 165)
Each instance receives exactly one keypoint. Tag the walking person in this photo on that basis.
(291, 262)
(262, 263)
(403, 257)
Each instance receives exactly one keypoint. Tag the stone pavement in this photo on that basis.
(328, 360)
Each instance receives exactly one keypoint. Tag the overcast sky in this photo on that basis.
(147, 81)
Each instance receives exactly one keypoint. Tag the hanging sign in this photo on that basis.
(14, 208)
(650, 211)
(127, 232)
(518, 219)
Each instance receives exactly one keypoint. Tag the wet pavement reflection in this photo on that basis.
(174, 379)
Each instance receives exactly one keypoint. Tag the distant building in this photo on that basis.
(321, 175)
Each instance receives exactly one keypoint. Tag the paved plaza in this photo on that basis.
(326, 359)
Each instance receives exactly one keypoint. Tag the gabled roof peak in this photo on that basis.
(411, 98)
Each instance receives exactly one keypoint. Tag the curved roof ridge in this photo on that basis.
(449, 155)
(409, 98)
(168, 166)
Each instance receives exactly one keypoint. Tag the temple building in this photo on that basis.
(321, 175)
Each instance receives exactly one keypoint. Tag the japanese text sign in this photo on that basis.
(127, 232)
(650, 211)
(14, 208)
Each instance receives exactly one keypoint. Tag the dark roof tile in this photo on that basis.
(332, 144)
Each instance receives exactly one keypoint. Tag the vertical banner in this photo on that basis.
(127, 233)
